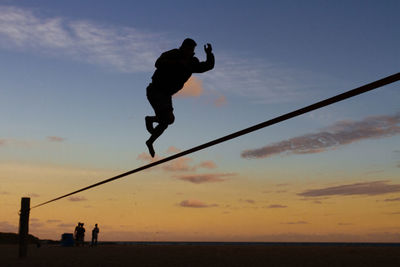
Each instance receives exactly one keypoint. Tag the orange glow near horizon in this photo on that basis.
(234, 210)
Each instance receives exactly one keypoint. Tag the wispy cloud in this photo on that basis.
(298, 222)
(126, 49)
(55, 139)
(129, 49)
(77, 198)
(208, 164)
(277, 206)
(205, 178)
(182, 164)
(345, 224)
(173, 150)
(53, 221)
(262, 81)
(339, 134)
(392, 199)
(250, 201)
(195, 204)
(192, 88)
(367, 188)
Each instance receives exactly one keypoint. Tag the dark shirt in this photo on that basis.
(81, 231)
(95, 232)
(171, 73)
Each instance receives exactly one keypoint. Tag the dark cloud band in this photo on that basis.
(339, 134)
(368, 188)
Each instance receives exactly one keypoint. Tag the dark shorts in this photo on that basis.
(161, 103)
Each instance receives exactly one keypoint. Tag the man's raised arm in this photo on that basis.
(208, 64)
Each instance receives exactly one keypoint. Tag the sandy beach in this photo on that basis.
(201, 255)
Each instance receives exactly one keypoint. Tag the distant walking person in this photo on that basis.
(173, 69)
(95, 234)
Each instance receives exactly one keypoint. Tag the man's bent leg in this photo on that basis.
(160, 128)
(163, 122)
(149, 123)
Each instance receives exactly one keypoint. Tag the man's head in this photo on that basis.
(187, 47)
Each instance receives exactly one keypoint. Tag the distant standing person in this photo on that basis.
(173, 69)
(82, 234)
(95, 234)
(76, 234)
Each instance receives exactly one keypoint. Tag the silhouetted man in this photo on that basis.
(95, 234)
(82, 234)
(76, 233)
(173, 69)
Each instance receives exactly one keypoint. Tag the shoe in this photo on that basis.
(150, 147)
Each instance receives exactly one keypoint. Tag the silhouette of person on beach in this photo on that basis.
(95, 234)
(79, 234)
(173, 69)
(82, 235)
(76, 233)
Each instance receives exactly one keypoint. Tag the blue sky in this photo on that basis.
(74, 75)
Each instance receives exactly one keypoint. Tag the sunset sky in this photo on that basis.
(72, 104)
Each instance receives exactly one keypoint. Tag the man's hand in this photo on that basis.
(208, 49)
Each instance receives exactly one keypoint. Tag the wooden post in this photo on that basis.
(24, 226)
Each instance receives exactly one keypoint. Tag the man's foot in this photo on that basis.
(149, 124)
(150, 147)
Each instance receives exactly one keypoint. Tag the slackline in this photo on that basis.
(354, 92)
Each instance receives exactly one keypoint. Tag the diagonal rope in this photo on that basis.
(354, 92)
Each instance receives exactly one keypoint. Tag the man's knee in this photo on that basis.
(167, 119)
